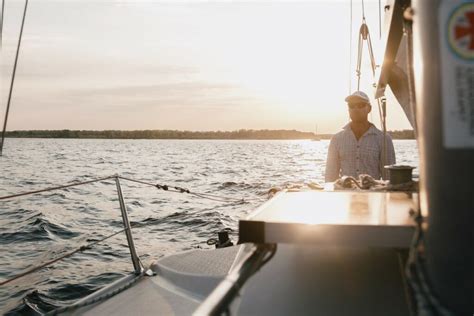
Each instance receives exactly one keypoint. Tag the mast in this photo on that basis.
(436, 38)
(446, 140)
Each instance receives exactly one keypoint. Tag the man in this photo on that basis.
(358, 148)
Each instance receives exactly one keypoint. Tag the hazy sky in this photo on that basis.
(185, 65)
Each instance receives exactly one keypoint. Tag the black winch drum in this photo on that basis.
(399, 174)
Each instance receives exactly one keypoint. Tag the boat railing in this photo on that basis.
(128, 231)
(127, 227)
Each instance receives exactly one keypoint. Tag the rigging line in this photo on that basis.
(206, 195)
(380, 19)
(13, 77)
(1, 25)
(54, 188)
(408, 31)
(80, 249)
(381, 107)
(371, 53)
(359, 59)
(158, 186)
(218, 199)
(183, 190)
(224, 198)
(384, 122)
(350, 50)
(380, 111)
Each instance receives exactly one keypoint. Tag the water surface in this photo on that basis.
(37, 228)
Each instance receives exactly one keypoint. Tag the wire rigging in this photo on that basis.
(66, 255)
(350, 50)
(54, 188)
(380, 19)
(164, 187)
(364, 36)
(13, 76)
(1, 24)
(177, 189)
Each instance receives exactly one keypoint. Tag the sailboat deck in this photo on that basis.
(180, 283)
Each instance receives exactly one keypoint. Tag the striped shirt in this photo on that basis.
(348, 156)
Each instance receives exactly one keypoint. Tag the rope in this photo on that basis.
(54, 188)
(13, 76)
(80, 249)
(417, 276)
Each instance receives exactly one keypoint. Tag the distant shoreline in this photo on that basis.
(242, 134)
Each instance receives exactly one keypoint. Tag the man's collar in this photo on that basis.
(372, 129)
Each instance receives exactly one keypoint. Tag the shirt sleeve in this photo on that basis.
(333, 164)
(390, 158)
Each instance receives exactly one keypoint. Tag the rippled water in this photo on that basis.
(37, 228)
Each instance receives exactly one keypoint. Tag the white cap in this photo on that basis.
(358, 96)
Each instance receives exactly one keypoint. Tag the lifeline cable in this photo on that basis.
(80, 249)
(184, 190)
(54, 188)
(164, 187)
(97, 299)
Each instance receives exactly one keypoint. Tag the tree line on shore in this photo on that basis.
(177, 134)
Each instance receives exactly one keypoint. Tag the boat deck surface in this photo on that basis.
(181, 282)
(338, 253)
